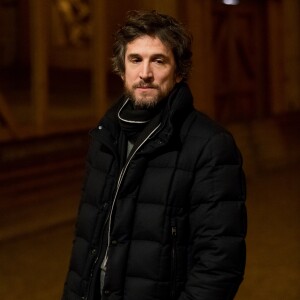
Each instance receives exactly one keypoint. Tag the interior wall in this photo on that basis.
(282, 56)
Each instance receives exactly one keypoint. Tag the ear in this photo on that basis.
(178, 78)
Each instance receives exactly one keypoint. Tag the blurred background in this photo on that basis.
(56, 82)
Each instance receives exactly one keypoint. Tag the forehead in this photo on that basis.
(148, 45)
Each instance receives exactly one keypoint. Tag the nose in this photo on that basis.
(146, 71)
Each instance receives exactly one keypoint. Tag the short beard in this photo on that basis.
(143, 102)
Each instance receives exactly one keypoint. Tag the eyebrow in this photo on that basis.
(153, 56)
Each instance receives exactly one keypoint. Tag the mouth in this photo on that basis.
(145, 86)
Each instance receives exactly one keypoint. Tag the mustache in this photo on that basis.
(145, 85)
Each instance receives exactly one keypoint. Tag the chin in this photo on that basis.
(145, 103)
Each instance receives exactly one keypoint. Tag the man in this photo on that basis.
(162, 214)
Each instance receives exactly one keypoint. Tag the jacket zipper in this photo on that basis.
(97, 257)
(173, 259)
(120, 179)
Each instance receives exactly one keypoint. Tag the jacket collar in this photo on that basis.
(179, 104)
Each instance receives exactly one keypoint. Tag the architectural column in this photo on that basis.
(39, 61)
(99, 58)
(291, 15)
(199, 21)
(275, 54)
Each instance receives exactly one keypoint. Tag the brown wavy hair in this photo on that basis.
(171, 33)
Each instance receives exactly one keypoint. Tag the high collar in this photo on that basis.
(134, 121)
(179, 104)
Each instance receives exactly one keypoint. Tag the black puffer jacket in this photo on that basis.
(179, 215)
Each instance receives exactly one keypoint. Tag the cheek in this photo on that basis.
(169, 81)
(131, 75)
(168, 77)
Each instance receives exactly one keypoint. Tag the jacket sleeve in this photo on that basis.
(217, 223)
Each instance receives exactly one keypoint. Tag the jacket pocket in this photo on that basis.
(173, 259)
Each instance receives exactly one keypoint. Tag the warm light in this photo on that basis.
(231, 2)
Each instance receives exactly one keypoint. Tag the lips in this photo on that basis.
(146, 87)
(143, 85)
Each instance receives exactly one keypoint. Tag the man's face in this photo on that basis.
(149, 71)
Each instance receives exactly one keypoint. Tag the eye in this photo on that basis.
(159, 61)
(134, 60)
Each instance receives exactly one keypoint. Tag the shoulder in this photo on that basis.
(204, 133)
(201, 125)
